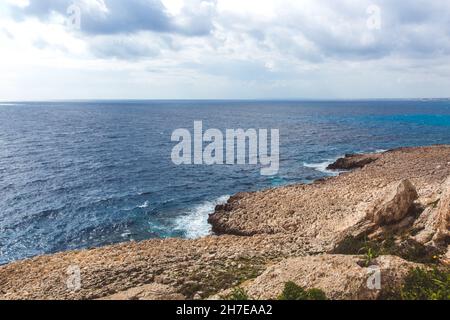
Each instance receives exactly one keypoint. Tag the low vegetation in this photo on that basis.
(294, 292)
(407, 249)
(421, 284)
(238, 294)
(221, 276)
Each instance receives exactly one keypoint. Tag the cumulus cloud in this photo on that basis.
(102, 17)
(278, 47)
(125, 48)
(307, 29)
(340, 29)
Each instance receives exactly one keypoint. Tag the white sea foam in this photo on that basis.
(126, 234)
(322, 167)
(145, 205)
(372, 152)
(194, 223)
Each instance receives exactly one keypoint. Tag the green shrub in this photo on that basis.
(238, 294)
(423, 284)
(294, 292)
(316, 294)
(408, 249)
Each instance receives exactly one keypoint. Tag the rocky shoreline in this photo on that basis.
(317, 235)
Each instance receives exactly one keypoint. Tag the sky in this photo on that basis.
(224, 49)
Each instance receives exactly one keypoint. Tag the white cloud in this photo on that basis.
(174, 6)
(256, 9)
(19, 3)
(225, 49)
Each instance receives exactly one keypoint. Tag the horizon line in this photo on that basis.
(224, 99)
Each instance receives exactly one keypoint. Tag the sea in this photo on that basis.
(84, 174)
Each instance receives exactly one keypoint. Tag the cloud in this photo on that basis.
(126, 48)
(311, 30)
(106, 17)
(242, 47)
(319, 29)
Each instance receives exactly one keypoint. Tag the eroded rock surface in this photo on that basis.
(394, 203)
(354, 161)
(154, 291)
(443, 216)
(341, 277)
(326, 208)
(433, 225)
(205, 265)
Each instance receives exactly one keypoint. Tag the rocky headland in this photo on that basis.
(392, 211)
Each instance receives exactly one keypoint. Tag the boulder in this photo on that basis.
(353, 161)
(393, 204)
(442, 235)
(434, 222)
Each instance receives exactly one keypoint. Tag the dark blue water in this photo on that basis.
(85, 174)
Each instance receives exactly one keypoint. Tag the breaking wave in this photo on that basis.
(194, 224)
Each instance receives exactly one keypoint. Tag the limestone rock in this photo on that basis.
(394, 203)
(341, 277)
(148, 292)
(329, 207)
(434, 222)
(353, 161)
(426, 224)
(443, 215)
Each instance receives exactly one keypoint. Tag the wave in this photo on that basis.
(145, 205)
(322, 167)
(126, 234)
(372, 151)
(194, 224)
